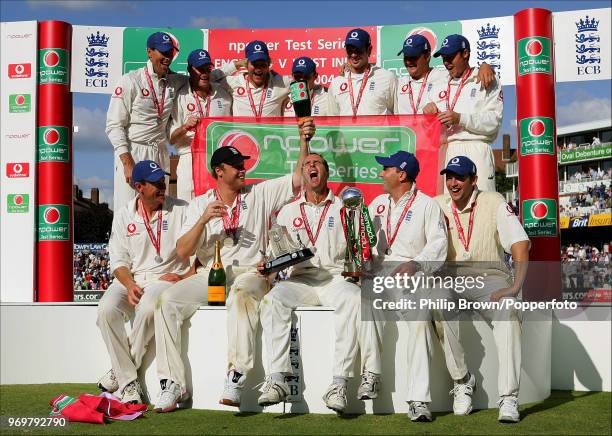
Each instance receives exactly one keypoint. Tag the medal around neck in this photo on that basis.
(285, 252)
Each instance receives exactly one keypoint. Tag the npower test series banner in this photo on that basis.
(100, 55)
(349, 144)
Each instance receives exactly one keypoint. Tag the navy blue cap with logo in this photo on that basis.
(161, 41)
(303, 65)
(460, 165)
(358, 38)
(256, 51)
(147, 171)
(452, 44)
(229, 155)
(198, 58)
(415, 45)
(402, 160)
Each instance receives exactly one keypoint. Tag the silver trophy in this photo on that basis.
(285, 252)
(352, 198)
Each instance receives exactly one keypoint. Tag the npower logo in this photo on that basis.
(53, 222)
(534, 55)
(51, 215)
(53, 66)
(350, 150)
(540, 217)
(537, 136)
(51, 136)
(53, 144)
(51, 58)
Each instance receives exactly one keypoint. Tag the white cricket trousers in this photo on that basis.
(181, 301)
(343, 296)
(506, 331)
(114, 310)
(184, 177)
(123, 192)
(482, 155)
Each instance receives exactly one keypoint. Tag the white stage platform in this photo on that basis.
(60, 343)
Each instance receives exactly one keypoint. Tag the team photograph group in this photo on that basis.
(162, 249)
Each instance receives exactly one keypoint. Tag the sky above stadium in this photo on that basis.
(576, 102)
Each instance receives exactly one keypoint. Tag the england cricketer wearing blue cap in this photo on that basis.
(412, 239)
(472, 115)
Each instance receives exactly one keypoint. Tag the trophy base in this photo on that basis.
(352, 274)
(287, 260)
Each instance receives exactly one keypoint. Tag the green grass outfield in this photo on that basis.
(563, 413)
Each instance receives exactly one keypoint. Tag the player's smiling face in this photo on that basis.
(459, 187)
(456, 63)
(357, 57)
(417, 66)
(202, 74)
(152, 193)
(258, 72)
(314, 173)
(232, 175)
(160, 60)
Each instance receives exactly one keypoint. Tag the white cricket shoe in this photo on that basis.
(171, 395)
(273, 392)
(335, 397)
(462, 396)
(368, 389)
(108, 382)
(419, 412)
(232, 391)
(508, 409)
(132, 393)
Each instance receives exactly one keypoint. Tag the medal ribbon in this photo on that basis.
(230, 224)
(411, 96)
(367, 233)
(158, 106)
(461, 234)
(464, 78)
(355, 106)
(145, 216)
(391, 237)
(200, 111)
(313, 239)
(262, 99)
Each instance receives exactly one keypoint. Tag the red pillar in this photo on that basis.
(54, 156)
(538, 170)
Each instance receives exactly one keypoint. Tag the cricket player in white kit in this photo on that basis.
(413, 90)
(472, 115)
(201, 99)
(481, 227)
(238, 215)
(144, 262)
(138, 114)
(364, 89)
(411, 230)
(304, 68)
(314, 218)
(259, 92)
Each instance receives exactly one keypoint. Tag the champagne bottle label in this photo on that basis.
(216, 294)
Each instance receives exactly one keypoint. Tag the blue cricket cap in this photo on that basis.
(161, 41)
(403, 161)
(460, 165)
(147, 171)
(414, 46)
(452, 44)
(304, 65)
(198, 58)
(256, 51)
(358, 38)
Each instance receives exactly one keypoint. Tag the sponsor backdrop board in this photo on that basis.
(349, 144)
(582, 43)
(324, 45)
(97, 54)
(18, 160)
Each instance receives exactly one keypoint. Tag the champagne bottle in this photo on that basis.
(300, 97)
(216, 279)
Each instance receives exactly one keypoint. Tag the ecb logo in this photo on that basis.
(488, 47)
(588, 47)
(96, 61)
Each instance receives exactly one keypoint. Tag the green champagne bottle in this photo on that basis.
(216, 279)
